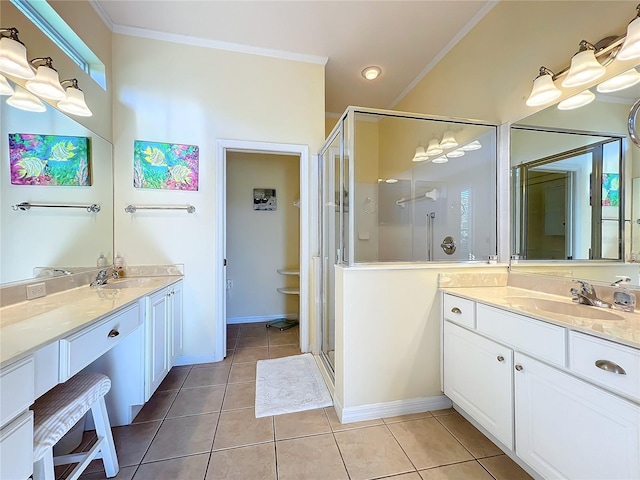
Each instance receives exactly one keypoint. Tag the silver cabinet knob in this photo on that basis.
(519, 368)
(609, 366)
(500, 358)
(456, 310)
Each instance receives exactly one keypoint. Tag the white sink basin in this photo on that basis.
(130, 283)
(533, 304)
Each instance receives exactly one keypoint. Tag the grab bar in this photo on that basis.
(24, 206)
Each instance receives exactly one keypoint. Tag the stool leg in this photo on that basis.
(103, 429)
(43, 468)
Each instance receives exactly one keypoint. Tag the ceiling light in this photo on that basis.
(544, 90)
(5, 88)
(372, 72)
(441, 159)
(631, 47)
(420, 155)
(448, 141)
(13, 55)
(469, 147)
(46, 84)
(434, 148)
(456, 153)
(620, 82)
(25, 101)
(585, 67)
(577, 101)
(74, 102)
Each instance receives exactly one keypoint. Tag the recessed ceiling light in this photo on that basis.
(371, 73)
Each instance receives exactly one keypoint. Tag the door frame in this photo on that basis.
(220, 237)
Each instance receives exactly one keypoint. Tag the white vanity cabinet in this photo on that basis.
(163, 334)
(535, 387)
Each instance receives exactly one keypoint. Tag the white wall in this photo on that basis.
(261, 242)
(186, 94)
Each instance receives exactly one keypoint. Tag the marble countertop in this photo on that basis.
(625, 331)
(26, 326)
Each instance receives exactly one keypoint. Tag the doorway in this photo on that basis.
(227, 148)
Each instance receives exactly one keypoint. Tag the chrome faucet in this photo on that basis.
(586, 295)
(103, 276)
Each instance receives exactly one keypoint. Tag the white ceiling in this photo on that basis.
(405, 38)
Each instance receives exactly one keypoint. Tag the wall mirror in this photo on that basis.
(58, 240)
(572, 197)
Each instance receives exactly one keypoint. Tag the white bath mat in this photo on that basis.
(289, 384)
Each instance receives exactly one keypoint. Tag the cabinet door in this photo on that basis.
(157, 345)
(478, 377)
(176, 320)
(567, 428)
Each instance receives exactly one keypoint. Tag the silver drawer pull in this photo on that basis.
(609, 366)
(518, 368)
(113, 333)
(456, 310)
(500, 358)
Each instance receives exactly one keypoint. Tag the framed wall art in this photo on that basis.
(168, 166)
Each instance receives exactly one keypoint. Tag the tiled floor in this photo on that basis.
(200, 425)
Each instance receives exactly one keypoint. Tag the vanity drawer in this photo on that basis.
(459, 310)
(524, 334)
(79, 350)
(17, 388)
(604, 362)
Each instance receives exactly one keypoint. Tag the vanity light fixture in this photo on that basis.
(5, 88)
(577, 101)
(372, 72)
(420, 155)
(25, 101)
(456, 153)
(585, 67)
(74, 102)
(544, 90)
(442, 159)
(13, 55)
(434, 148)
(391, 180)
(620, 82)
(469, 147)
(448, 140)
(46, 83)
(631, 47)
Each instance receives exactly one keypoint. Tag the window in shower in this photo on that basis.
(405, 206)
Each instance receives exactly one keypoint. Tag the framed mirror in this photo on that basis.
(572, 195)
(62, 236)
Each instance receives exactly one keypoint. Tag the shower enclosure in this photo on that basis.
(402, 187)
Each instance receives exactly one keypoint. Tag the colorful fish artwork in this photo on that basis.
(168, 166)
(51, 160)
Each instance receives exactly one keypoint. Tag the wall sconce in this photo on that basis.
(13, 55)
(456, 153)
(434, 148)
(442, 159)
(448, 140)
(74, 102)
(25, 101)
(5, 88)
(588, 65)
(470, 147)
(420, 155)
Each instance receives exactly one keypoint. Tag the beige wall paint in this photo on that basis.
(488, 74)
(261, 242)
(196, 95)
(86, 23)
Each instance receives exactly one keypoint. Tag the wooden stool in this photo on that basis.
(57, 411)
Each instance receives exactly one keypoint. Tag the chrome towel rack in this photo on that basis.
(431, 195)
(24, 206)
(134, 208)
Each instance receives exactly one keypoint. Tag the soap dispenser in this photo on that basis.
(624, 299)
(102, 261)
(118, 264)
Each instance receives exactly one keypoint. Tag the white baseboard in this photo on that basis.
(195, 359)
(261, 318)
(390, 409)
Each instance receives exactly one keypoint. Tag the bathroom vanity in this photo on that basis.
(558, 392)
(130, 331)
